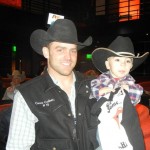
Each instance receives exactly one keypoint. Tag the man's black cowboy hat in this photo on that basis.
(120, 47)
(62, 30)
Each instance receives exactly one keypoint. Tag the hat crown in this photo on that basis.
(16, 73)
(63, 30)
(120, 47)
(122, 44)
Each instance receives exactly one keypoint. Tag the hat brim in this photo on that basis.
(100, 55)
(22, 77)
(40, 38)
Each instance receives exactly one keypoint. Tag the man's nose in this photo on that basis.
(67, 55)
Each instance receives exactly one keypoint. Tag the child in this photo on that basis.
(115, 90)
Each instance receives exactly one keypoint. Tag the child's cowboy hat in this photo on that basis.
(62, 30)
(120, 47)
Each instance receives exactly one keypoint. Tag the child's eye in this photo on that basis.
(117, 59)
(128, 61)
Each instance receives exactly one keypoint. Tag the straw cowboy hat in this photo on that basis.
(62, 30)
(17, 74)
(120, 47)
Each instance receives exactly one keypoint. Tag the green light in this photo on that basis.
(14, 48)
(88, 56)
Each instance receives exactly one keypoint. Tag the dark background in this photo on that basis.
(16, 26)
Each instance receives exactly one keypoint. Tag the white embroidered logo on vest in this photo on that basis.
(45, 103)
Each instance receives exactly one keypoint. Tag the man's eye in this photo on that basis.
(74, 51)
(59, 50)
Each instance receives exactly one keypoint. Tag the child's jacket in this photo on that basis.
(119, 126)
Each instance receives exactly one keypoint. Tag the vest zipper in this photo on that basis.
(74, 120)
(74, 134)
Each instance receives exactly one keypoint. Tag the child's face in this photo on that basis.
(119, 67)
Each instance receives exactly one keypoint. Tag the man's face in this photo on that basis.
(16, 80)
(62, 58)
(119, 66)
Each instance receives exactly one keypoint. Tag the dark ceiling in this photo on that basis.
(17, 25)
(33, 15)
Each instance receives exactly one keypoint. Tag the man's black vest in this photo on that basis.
(56, 129)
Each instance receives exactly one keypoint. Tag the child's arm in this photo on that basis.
(105, 90)
(135, 92)
(95, 84)
(99, 89)
(99, 86)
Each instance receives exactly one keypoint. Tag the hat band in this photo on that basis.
(125, 54)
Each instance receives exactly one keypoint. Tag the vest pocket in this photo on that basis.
(54, 144)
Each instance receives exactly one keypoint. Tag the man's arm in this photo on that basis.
(22, 125)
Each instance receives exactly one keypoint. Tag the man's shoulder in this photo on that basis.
(32, 83)
(82, 76)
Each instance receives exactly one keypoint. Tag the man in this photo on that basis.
(49, 111)
(16, 79)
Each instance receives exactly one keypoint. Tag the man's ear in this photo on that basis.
(45, 52)
(107, 64)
